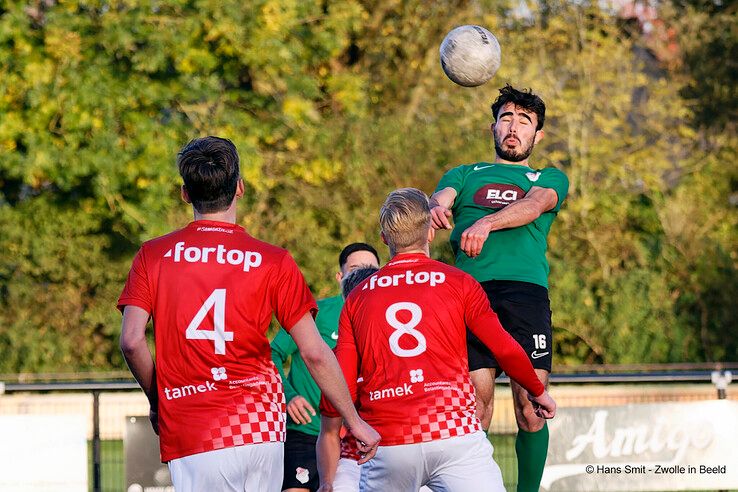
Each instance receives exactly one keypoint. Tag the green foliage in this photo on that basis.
(333, 105)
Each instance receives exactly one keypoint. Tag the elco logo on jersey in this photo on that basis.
(497, 195)
(219, 254)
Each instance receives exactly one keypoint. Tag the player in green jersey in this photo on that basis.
(502, 213)
(301, 392)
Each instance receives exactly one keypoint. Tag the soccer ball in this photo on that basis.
(470, 55)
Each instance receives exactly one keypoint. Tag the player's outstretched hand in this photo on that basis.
(440, 216)
(544, 405)
(473, 238)
(300, 410)
(367, 439)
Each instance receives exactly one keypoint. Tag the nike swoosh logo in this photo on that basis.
(536, 355)
(479, 168)
(334, 335)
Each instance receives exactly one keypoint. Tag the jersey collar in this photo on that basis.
(215, 224)
(407, 258)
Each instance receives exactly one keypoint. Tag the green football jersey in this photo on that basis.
(299, 381)
(485, 188)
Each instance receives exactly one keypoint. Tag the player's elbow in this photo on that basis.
(131, 343)
(315, 356)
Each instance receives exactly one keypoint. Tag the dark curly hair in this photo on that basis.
(523, 99)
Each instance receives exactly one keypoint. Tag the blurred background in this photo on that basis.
(332, 104)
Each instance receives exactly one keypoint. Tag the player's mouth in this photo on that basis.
(512, 141)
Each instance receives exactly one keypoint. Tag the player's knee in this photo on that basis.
(529, 421)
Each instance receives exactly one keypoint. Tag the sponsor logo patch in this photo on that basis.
(537, 355)
(497, 195)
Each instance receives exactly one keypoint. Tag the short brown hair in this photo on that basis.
(405, 218)
(210, 170)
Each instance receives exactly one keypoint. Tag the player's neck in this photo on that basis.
(409, 251)
(228, 216)
(500, 160)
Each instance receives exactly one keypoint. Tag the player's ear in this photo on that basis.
(538, 136)
(185, 196)
(239, 188)
(431, 234)
(339, 277)
(384, 240)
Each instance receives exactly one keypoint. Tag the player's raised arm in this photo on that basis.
(524, 211)
(440, 207)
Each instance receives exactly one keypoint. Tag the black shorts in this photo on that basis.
(299, 456)
(525, 312)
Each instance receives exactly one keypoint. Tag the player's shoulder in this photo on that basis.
(551, 172)
(467, 168)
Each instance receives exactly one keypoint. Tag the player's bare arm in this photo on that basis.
(440, 205)
(524, 211)
(328, 451)
(138, 357)
(324, 368)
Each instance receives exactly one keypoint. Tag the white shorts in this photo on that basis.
(248, 468)
(457, 464)
(348, 474)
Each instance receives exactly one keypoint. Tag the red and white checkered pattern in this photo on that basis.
(259, 417)
(349, 447)
(450, 413)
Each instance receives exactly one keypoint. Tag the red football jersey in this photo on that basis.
(211, 290)
(403, 330)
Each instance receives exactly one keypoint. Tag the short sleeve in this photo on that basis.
(453, 178)
(137, 291)
(557, 181)
(290, 295)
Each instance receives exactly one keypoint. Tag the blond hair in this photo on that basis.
(405, 219)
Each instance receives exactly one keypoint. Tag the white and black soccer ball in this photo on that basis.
(470, 55)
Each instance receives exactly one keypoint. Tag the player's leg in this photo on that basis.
(300, 464)
(461, 464)
(347, 477)
(396, 468)
(531, 444)
(483, 371)
(234, 469)
(525, 312)
(484, 390)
